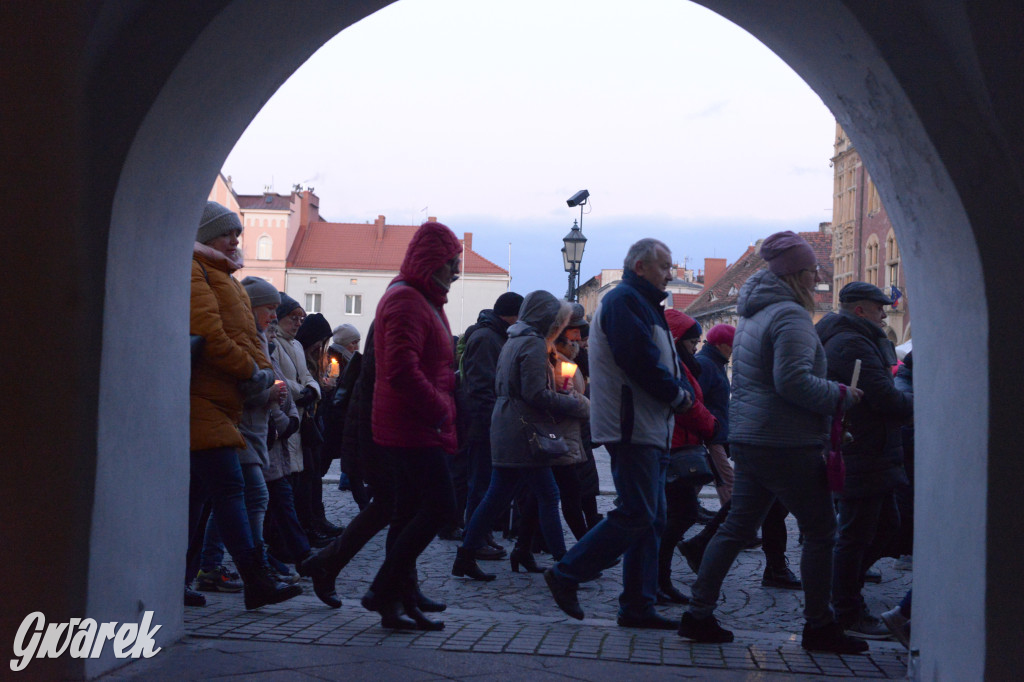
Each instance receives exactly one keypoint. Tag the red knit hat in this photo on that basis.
(721, 333)
(681, 325)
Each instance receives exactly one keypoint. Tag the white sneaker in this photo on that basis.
(898, 625)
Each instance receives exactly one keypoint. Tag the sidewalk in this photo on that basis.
(511, 628)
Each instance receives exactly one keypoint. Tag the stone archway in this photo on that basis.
(931, 96)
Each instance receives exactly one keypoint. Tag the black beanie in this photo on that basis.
(288, 305)
(314, 329)
(508, 304)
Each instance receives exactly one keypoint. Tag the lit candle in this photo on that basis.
(335, 369)
(568, 371)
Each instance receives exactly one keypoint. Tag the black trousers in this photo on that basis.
(425, 500)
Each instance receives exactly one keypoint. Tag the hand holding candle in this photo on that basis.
(334, 369)
(568, 370)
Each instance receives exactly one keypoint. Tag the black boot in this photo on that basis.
(412, 610)
(693, 551)
(465, 566)
(261, 586)
(427, 604)
(524, 557)
(324, 577)
(390, 612)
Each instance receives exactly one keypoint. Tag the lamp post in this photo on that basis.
(572, 256)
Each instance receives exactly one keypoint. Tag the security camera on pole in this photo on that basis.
(572, 252)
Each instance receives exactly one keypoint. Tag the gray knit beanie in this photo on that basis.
(261, 292)
(217, 220)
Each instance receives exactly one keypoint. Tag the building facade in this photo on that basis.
(864, 244)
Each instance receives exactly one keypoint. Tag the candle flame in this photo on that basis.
(568, 369)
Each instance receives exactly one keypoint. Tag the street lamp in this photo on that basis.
(572, 256)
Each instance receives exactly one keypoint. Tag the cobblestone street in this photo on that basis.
(515, 623)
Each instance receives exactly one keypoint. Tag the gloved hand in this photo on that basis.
(293, 426)
(307, 396)
(261, 380)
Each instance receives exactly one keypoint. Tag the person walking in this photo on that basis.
(636, 388)
(527, 401)
(778, 426)
(231, 367)
(869, 519)
(414, 415)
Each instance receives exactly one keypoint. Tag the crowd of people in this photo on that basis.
(494, 431)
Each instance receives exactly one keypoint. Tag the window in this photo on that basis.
(874, 201)
(353, 304)
(263, 248)
(871, 261)
(312, 303)
(892, 261)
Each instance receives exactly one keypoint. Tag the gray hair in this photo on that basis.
(643, 250)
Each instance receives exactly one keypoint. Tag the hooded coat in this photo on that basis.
(780, 396)
(696, 425)
(220, 312)
(524, 386)
(714, 382)
(413, 395)
(874, 459)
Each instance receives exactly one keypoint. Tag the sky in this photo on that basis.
(490, 114)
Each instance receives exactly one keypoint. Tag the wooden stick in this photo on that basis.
(856, 374)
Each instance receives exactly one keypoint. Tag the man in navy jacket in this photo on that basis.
(636, 389)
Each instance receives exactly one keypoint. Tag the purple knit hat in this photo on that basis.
(787, 253)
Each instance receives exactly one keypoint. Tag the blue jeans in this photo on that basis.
(632, 530)
(479, 453)
(796, 476)
(504, 482)
(256, 499)
(216, 475)
(867, 526)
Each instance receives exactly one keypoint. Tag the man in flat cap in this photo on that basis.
(868, 516)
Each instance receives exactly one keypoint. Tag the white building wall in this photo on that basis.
(469, 295)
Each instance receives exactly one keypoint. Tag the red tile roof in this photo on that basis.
(681, 301)
(718, 297)
(354, 246)
(258, 202)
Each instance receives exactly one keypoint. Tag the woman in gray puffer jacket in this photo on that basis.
(778, 428)
(526, 395)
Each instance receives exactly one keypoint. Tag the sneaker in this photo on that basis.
(780, 576)
(704, 630)
(193, 598)
(218, 579)
(868, 626)
(831, 639)
(899, 626)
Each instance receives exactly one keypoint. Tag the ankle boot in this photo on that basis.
(465, 566)
(778, 574)
(522, 556)
(427, 604)
(316, 567)
(390, 612)
(412, 610)
(261, 586)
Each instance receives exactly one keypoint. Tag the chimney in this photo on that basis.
(467, 240)
(379, 224)
(432, 219)
(714, 268)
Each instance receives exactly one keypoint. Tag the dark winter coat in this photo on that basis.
(414, 394)
(479, 362)
(780, 396)
(361, 458)
(714, 382)
(874, 459)
(635, 380)
(525, 386)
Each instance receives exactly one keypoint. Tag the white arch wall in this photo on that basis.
(116, 505)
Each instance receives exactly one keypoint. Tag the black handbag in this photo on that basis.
(543, 444)
(689, 463)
